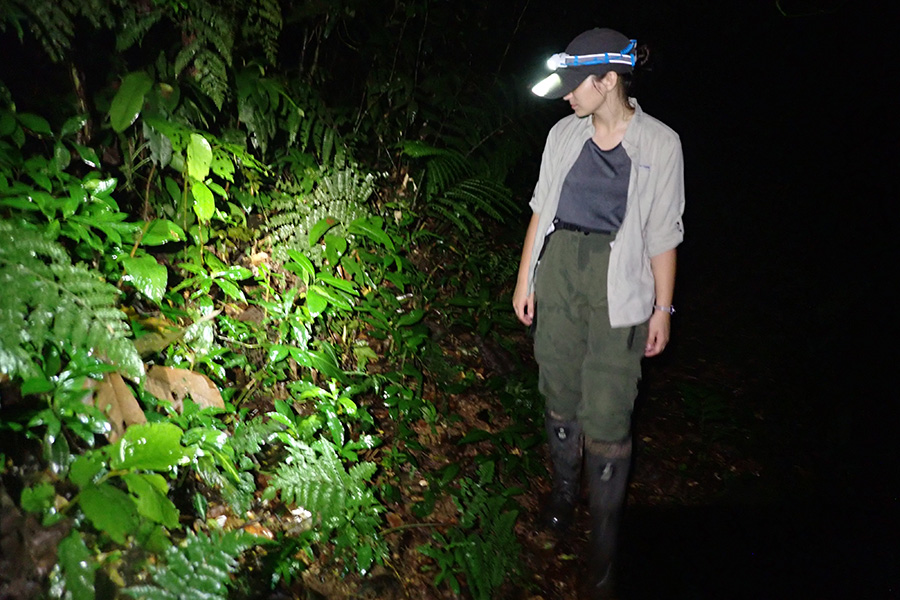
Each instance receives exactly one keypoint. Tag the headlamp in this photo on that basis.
(563, 60)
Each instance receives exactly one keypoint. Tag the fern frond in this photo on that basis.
(340, 195)
(313, 477)
(48, 300)
(263, 25)
(199, 568)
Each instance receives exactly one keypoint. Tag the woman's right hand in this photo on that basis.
(523, 304)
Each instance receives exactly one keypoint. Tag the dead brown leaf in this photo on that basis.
(174, 385)
(113, 397)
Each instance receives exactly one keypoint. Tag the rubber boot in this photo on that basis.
(607, 467)
(566, 441)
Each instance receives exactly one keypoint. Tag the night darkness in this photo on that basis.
(790, 145)
(788, 245)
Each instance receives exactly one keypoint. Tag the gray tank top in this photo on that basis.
(595, 190)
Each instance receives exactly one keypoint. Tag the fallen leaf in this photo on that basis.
(174, 385)
(113, 398)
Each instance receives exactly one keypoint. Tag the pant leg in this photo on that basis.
(560, 338)
(610, 374)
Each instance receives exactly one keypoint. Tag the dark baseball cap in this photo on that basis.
(594, 52)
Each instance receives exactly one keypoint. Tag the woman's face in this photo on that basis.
(588, 96)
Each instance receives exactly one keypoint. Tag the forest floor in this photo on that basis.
(706, 430)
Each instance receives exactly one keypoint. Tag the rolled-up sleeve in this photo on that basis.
(665, 229)
(542, 188)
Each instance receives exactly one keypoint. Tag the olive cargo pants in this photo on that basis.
(589, 371)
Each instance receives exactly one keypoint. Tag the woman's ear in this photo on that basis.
(609, 81)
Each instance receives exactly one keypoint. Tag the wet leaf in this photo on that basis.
(204, 204)
(150, 447)
(152, 503)
(110, 510)
(199, 157)
(148, 276)
(77, 567)
(129, 100)
(162, 231)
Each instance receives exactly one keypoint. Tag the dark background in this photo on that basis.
(789, 143)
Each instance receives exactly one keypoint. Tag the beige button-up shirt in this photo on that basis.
(652, 223)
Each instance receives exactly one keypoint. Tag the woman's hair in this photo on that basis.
(627, 81)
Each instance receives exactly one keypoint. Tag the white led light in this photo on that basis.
(547, 84)
(557, 61)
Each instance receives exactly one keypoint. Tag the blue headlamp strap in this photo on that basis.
(563, 60)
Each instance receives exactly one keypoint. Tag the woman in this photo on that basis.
(607, 219)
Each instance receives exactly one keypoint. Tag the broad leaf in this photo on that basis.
(35, 123)
(77, 567)
(316, 302)
(372, 228)
(162, 231)
(204, 204)
(152, 503)
(129, 100)
(319, 229)
(148, 276)
(150, 447)
(199, 157)
(110, 510)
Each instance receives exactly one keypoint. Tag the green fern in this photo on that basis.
(48, 300)
(199, 568)
(341, 503)
(312, 477)
(452, 188)
(340, 196)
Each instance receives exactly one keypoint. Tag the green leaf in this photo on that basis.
(100, 188)
(204, 204)
(320, 361)
(331, 296)
(372, 228)
(85, 468)
(87, 155)
(335, 246)
(7, 123)
(110, 510)
(72, 125)
(305, 269)
(315, 301)
(341, 284)
(319, 229)
(150, 447)
(38, 498)
(152, 502)
(35, 123)
(162, 231)
(62, 156)
(148, 276)
(411, 318)
(199, 157)
(231, 290)
(77, 567)
(278, 352)
(129, 100)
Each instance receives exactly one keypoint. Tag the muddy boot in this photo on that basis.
(607, 467)
(565, 441)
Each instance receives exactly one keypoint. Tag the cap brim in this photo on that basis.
(559, 83)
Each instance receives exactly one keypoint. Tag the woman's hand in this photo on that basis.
(660, 324)
(524, 304)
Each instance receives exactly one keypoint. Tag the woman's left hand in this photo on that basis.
(660, 325)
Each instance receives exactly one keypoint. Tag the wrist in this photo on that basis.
(664, 308)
